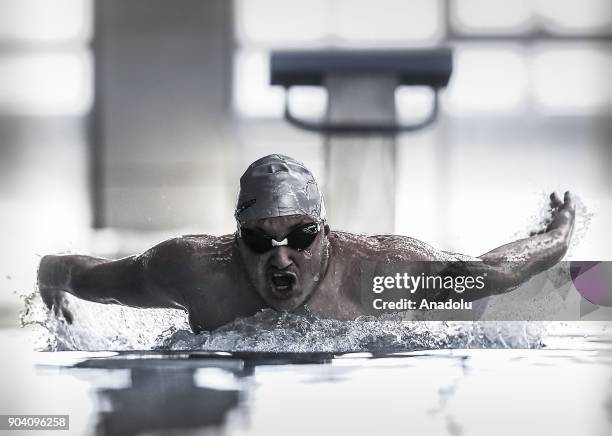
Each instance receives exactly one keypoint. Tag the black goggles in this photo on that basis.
(299, 238)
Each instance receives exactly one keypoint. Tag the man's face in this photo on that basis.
(284, 276)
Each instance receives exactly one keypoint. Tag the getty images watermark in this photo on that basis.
(435, 285)
(449, 291)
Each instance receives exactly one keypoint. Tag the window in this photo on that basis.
(51, 73)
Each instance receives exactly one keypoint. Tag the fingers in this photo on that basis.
(555, 201)
(568, 201)
(562, 212)
(48, 302)
(67, 315)
(56, 304)
(60, 308)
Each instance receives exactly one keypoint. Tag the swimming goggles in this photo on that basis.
(299, 238)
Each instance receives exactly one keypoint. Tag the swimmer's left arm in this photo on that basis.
(510, 265)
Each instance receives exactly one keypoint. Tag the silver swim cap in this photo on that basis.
(278, 185)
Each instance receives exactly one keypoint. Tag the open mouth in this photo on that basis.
(283, 283)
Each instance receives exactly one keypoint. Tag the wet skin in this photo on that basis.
(218, 279)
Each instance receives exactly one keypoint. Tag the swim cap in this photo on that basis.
(278, 185)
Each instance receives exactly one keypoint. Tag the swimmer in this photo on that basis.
(283, 255)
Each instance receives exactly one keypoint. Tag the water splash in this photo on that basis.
(270, 331)
(107, 327)
(98, 327)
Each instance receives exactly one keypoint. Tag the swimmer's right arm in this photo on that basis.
(99, 280)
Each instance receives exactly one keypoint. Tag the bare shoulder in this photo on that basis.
(395, 248)
(185, 252)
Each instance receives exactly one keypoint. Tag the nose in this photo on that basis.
(280, 258)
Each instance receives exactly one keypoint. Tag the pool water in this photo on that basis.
(564, 386)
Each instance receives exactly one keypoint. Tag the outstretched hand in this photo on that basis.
(563, 213)
(513, 264)
(56, 302)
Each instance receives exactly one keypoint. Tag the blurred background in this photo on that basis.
(123, 123)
